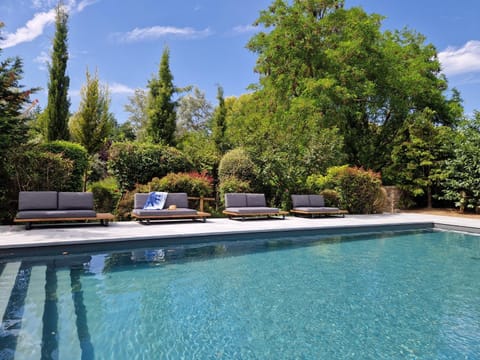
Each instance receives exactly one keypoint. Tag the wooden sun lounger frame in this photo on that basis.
(146, 218)
(104, 218)
(325, 213)
(232, 214)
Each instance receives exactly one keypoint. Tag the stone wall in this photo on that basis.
(393, 197)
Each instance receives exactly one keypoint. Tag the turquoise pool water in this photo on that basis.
(390, 296)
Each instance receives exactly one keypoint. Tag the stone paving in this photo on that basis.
(16, 236)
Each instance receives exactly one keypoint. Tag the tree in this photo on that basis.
(161, 107)
(193, 113)
(220, 123)
(138, 118)
(419, 155)
(93, 122)
(57, 110)
(355, 77)
(462, 182)
(13, 130)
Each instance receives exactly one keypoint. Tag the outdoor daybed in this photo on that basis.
(53, 206)
(175, 207)
(249, 205)
(313, 205)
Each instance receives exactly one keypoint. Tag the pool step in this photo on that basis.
(7, 281)
(29, 339)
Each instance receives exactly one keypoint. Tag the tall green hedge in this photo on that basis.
(136, 163)
(74, 152)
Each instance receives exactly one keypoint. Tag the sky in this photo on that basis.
(123, 41)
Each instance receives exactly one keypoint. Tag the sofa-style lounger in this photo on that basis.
(53, 206)
(242, 205)
(313, 205)
(179, 200)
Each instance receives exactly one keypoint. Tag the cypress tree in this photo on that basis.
(161, 107)
(58, 103)
(219, 123)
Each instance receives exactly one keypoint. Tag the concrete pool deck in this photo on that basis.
(15, 236)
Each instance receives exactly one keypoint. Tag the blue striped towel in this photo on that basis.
(156, 200)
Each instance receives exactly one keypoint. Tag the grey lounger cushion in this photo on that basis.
(75, 201)
(316, 200)
(300, 201)
(37, 200)
(51, 214)
(319, 209)
(165, 212)
(178, 199)
(234, 200)
(256, 200)
(252, 210)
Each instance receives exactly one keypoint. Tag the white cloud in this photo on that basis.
(242, 29)
(462, 60)
(32, 29)
(155, 32)
(35, 27)
(116, 88)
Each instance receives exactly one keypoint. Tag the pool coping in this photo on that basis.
(58, 238)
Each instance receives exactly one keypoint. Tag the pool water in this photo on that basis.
(410, 295)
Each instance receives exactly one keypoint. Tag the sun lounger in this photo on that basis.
(175, 207)
(242, 205)
(313, 205)
(53, 206)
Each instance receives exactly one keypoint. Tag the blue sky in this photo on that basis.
(123, 40)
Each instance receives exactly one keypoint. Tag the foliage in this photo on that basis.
(137, 163)
(193, 113)
(161, 107)
(200, 150)
(138, 118)
(74, 152)
(13, 129)
(106, 195)
(57, 110)
(462, 181)
(332, 197)
(92, 123)
(420, 151)
(220, 123)
(40, 170)
(337, 67)
(236, 163)
(358, 190)
(193, 183)
(233, 184)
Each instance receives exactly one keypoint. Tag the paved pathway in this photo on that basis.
(70, 234)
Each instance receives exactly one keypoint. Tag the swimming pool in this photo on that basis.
(408, 295)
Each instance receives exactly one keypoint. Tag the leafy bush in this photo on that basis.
(332, 197)
(37, 171)
(359, 191)
(236, 163)
(79, 157)
(105, 195)
(193, 183)
(233, 185)
(133, 163)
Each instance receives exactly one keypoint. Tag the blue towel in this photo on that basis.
(155, 200)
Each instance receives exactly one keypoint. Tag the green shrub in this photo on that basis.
(332, 197)
(74, 152)
(133, 163)
(359, 190)
(36, 170)
(232, 185)
(354, 189)
(236, 163)
(193, 183)
(105, 195)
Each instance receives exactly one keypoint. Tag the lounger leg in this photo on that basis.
(28, 226)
